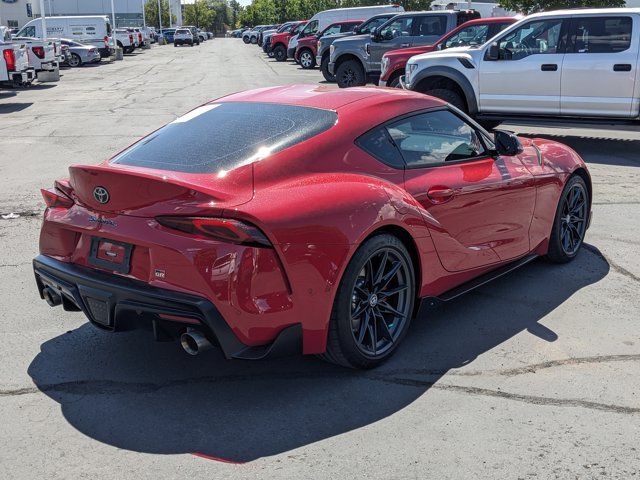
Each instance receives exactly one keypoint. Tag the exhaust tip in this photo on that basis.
(52, 298)
(194, 342)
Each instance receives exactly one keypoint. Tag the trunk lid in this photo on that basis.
(144, 192)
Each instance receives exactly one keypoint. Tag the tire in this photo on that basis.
(75, 60)
(254, 40)
(246, 40)
(351, 339)
(307, 59)
(350, 74)
(448, 96)
(175, 44)
(280, 53)
(394, 82)
(570, 222)
(324, 68)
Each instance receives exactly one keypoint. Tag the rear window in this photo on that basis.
(602, 34)
(183, 31)
(218, 137)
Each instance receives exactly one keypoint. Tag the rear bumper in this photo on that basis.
(116, 303)
(106, 52)
(24, 77)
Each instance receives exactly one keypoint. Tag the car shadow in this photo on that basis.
(132, 393)
(13, 107)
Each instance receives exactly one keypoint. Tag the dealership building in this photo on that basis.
(15, 13)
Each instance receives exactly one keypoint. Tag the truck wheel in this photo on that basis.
(246, 40)
(324, 67)
(350, 74)
(448, 96)
(394, 82)
(307, 60)
(75, 60)
(254, 40)
(280, 53)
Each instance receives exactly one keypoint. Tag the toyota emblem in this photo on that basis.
(101, 195)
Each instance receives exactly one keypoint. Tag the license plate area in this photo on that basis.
(111, 255)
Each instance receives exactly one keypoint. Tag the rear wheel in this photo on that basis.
(280, 53)
(75, 60)
(373, 306)
(307, 60)
(570, 223)
(350, 74)
(324, 68)
(246, 40)
(448, 96)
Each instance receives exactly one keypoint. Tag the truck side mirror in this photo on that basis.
(493, 53)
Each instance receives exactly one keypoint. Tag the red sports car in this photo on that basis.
(305, 219)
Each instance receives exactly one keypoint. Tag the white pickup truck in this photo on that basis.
(14, 62)
(41, 53)
(124, 39)
(578, 64)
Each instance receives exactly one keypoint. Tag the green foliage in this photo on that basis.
(151, 13)
(200, 13)
(533, 6)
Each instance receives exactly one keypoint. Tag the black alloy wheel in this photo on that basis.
(374, 304)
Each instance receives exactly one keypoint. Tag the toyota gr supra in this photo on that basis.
(305, 219)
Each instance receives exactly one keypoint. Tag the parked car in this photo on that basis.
(268, 34)
(81, 53)
(251, 36)
(124, 39)
(356, 60)
(307, 48)
(280, 41)
(168, 33)
(194, 33)
(183, 36)
(41, 54)
(270, 29)
(324, 43)
(202, 35)
(92, 29)
(14, 62)
(66, 55)
(323, 19)
(143, 39)
(213, 253)
(529, 68)
(471, 33)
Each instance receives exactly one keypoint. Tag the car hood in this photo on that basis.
(455, 52)
(409, 52)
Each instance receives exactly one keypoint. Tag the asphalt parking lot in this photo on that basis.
(532, 376)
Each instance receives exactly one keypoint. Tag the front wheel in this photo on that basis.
(373, 306)
(280, 53)
(75, 60)
(246, 40)
(307, 60)
(350, 74)
(448, 96)
(324, 68)
(570, 222)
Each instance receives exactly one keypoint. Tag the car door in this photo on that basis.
(478, 206)
(396, 33)
(428, 29)
(526, 76)
(600, 67)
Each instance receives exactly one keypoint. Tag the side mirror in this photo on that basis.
(375, 36)
(388, 35)
(493, 53)
(507, 143)
(439, 46)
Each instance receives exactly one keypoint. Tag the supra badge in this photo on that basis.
(101, 195)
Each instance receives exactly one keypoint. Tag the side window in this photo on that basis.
(397, 28)
(348, 27)
(332, 30)
(474, 35)
(533, 38)
(378, 144)
(435, 137)
(602, 35)
(27, 32)
(310, 29)
(430, 25)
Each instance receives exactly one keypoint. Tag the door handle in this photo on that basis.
(440, 194)
(622, 67)
(549, 67)
(404, 45)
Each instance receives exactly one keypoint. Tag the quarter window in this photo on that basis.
(533, 38)
(602, 34)
(435, 137)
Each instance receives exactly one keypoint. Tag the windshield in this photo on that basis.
(310, 29)
(219, 137)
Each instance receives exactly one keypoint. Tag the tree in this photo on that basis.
(199, 13)
(151, 13)
(533, 6)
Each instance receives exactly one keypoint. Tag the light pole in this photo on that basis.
(144, 18)
(44, 21)
(159, 16)
(170, 19)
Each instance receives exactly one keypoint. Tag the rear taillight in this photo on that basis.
(10, 59)
(139, 37)
(106, 41)
(224, 229)
(54, 198)
(38, 51)
(130, 38)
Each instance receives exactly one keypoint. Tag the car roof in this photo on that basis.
(586, 11)
(330, 98)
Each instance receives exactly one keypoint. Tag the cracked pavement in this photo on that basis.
(532, 376)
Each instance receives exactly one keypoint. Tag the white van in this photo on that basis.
(93, 30)
(323, 19)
